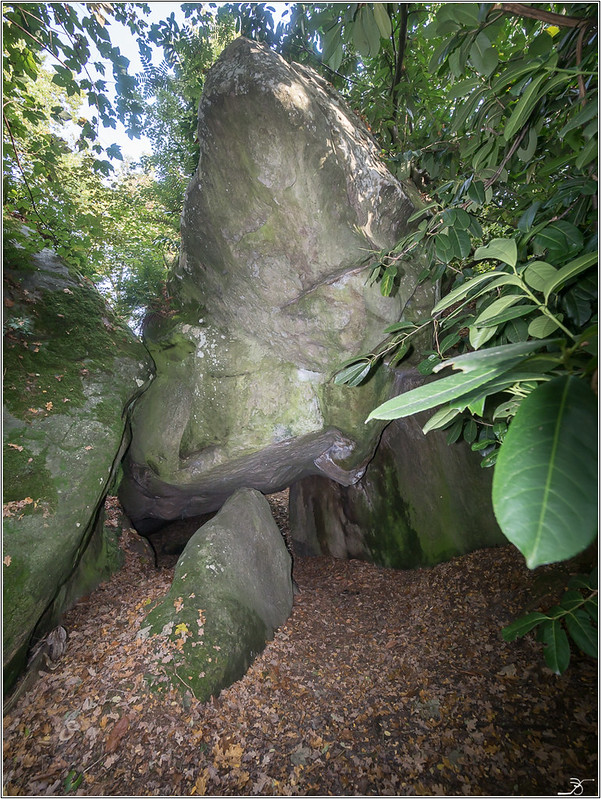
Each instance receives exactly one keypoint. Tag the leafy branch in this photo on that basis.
(575, 616)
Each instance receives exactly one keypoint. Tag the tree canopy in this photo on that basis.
(490, 109)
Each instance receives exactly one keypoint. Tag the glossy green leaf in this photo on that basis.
(460, 242)
(476, 192)
(444, 248)
(487, 282)
(542, 326)
(592, 608)
(399, 354)
(382, 19)
(511, 354)
(557, 646)
(371, 28)
(441, 418)
(527, 218)
(496, 307)
(526, 152)
(588, 153)
(483, 56)
(500, 249)
(463, 88)
(398, 327)
(476, 407)
(590, 111)
(571, 600)
(387, 282)
(522, 625)
(545, 484)
(570, 271)
(353, 375)
(583, 633)
(538, 274)
(360, 39)
(435, 393)
(480, 335)
(509, 314)
(524, 106)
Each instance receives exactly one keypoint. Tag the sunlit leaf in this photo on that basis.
(436, 393)
(500, 249)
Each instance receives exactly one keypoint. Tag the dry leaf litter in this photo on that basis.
(381, 682)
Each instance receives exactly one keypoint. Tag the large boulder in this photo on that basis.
(231, 590)
(71, 370)
(288, 205)
(420, 501)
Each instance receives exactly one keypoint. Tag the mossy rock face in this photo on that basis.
(71, 369)
(231, 590)
(419, 503)
(287, 208)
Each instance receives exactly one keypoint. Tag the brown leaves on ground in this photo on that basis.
(381, 682)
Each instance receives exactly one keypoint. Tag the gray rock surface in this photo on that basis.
(289, 202)
(420, 502)
(231, 590)
(70, 372)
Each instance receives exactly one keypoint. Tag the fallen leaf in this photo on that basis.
(7, 560)
(200, 786)
(116, 735)
(16, 446)
(49, 406)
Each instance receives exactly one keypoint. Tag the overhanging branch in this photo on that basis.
(530, 12)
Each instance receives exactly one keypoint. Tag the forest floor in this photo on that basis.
(381, 682)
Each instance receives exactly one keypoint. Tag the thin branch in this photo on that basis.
(35, 208)
(562, 21)
(511, 151)
(581, 89)
(38, 42)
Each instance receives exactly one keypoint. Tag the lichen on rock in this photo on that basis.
(71, 370)
(289, 203)
(231, 590)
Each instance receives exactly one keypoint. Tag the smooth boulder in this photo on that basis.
(231, 590)
(420, 502)
(71, 371)
(288, 207)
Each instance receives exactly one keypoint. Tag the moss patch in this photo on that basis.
(26, 475)
(70, 370)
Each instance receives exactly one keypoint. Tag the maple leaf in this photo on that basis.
(182, 629)
(49, 406)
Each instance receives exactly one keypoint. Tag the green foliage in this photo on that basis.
(574, 617)
(172, 91)
(550, 452)
(515, 193)
(55, 178)
(34, 31)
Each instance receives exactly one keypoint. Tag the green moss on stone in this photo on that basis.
(26, 475)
